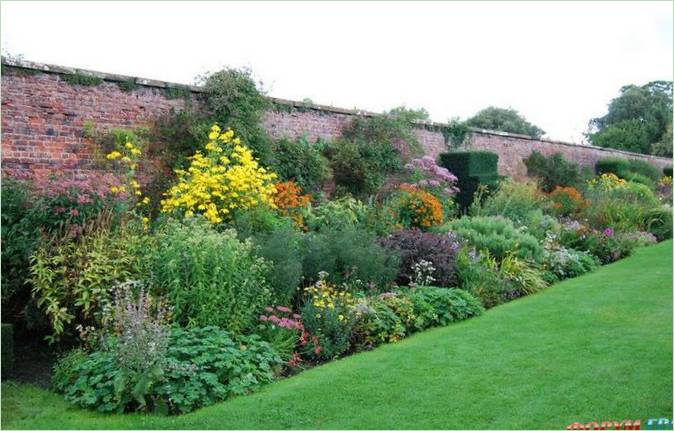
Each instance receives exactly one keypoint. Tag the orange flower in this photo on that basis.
(418, 208)
(289, 199)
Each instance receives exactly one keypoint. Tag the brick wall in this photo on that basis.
(43, 118)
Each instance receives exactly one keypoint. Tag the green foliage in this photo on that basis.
(434, 306)
(624, 208)
(204, 366)
(178, 93)
(7, 348)
(360, 167)
(473, 169)
(19, 239)
(504, 120)
(73, 278)
(498, 235)
(524, 279)
(553, 171)
(478, 274)
(348, 254)
(523, 204)
(455, 133)
(637, 120)
(82, 79)
(209, 277)
(667, 171)
(638, 171)
(561, 263)
(332, 332)
(301, 162)
(282, 248)
(347, 211)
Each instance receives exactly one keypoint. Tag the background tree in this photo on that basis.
(504, 120)
(638, 120)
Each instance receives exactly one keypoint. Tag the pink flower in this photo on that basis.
(608, 232)
(283, 309)
(268, 309)
(74, 212)
(263, 318)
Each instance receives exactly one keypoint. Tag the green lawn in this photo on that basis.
(597, 347)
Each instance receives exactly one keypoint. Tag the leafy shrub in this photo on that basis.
(210, 278)
(414, 245)
(522, 203)
(553, 171)
(347, 212)
(73, 278)
(284, 330)
(282, 248)
(416, 208)
(605, 245)
(203, 366)
(620, 205)
(561, 262)
(360, 167)
(386, 318)
(524, 279)
(478, 274)
(435, 306)
(301, 162)
(567, 201)
(327, 316)
(498, 235)
(658, 221)
(473, 169)
(629, 169)
(668, 171)
(350, 254)
(223, 180)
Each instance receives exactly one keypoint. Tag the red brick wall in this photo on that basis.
(43, 118)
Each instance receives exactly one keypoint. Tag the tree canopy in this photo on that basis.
(638, 120)
(504, 120)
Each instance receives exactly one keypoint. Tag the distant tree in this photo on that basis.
(504, 120)
(638, 120)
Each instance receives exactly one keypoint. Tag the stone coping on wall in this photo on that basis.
(310, 106)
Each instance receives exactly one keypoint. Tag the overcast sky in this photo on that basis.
(559, 64)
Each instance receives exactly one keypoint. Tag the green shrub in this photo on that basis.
(473, 169)
(360, 167)
(498, 235)
(520, 202)
(301, 162)
(629, 169)
(210, 278)
(658, 221)
(561, 263)
(282, 248)
(346, 212)
(7, 346)
(553, 171)
(524, 279)
(626, 207)
(82, 79)
(606, 245)
(386, 318)
(667, 171)
(434, 306)
(478, 274)
(73, 278)
(350, 254)
(203, 366)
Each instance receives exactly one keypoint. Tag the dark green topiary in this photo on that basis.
(472, 168)
(7, 335)
(667, 171)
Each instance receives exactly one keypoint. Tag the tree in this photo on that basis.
(638, 120)
(504, 120)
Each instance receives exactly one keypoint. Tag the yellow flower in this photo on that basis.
(114, 155)
(129, 145)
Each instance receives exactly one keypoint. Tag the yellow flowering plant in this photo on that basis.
(221, 180)
(327, 315)
(125, 159)
(606, 181)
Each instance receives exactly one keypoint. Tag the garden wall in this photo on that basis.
(43, 117)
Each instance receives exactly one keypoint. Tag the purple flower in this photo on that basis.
(608, 232)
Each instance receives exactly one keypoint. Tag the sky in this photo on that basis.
(558, 63)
